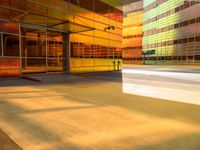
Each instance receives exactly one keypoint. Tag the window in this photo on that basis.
(192, 3)
(10, 45)
(176, 25)
(197, 57)
(175, 42)
(191, 39)
(197, 38)
(198, 20)
(177, 9)
(9, 27)
(186, 4)
(192, 21)
(184, 40)
(185, 23)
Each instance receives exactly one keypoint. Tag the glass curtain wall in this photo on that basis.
(28, 41)
(42, 50)
(33, 46)
(55, 48)
(96, 36)
(9, 49)
(100, 49)
(171, 30)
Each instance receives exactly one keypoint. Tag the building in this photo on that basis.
(171, 32)
(86, 35)
(132, 32)
(59, 36)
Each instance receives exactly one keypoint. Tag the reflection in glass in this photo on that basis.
(33, 65)
(9, 67)
(34, 33)
(9, 27)
(90, 57)
(33, 50)
(55, 51)
(55, 55)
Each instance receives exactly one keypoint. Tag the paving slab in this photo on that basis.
(6, 143)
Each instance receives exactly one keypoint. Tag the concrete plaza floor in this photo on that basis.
(96, 111)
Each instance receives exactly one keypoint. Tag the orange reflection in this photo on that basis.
(9, 67)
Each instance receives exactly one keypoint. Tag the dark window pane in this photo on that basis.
(10, 45)
(191, 39)
(197, 38)
(197, 57)
(192, 21)
(1, 50)
(9, 67)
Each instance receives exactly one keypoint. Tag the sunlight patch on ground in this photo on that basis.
(165, 85)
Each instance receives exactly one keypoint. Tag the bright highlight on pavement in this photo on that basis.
(174, 85)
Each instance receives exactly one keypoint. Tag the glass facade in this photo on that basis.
(10, 54)
(99, 49)
(171, 32)
(59, 35)
(91, 35)
(132, 33)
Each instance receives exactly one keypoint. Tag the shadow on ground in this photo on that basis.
(6, 143)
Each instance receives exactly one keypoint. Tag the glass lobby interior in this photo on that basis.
(70, 37)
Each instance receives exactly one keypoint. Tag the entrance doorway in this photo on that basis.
(42, 50)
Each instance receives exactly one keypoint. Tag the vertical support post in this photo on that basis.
(47, 49)
(66, 53)
(118, 65)
(2, 50)
(114, 64)
(194, 49)
(20, 50)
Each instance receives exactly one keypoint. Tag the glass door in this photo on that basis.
(33, 47)
(55, 48)
(42, 50)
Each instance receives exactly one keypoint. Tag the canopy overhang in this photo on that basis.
(43, 20)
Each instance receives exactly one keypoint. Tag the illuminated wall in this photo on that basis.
(132, 33)
(171, 29)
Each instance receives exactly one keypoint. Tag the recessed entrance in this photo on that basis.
(42, 50)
